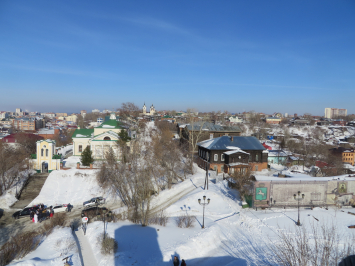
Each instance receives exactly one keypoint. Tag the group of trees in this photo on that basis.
(150, 164)
(12, 160)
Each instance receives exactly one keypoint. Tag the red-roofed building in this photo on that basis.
(13, 138)
(267, 146)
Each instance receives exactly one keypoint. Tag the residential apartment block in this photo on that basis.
(24, 124)
(27, 124)
(334, 112)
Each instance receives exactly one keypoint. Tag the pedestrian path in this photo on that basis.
(87, 254)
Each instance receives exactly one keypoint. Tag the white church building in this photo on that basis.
(100, 139)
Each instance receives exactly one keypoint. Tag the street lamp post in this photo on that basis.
(16, 188)
(298, 197)
(203, 205)
(104, 212)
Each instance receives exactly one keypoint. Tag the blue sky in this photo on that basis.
(267, 56)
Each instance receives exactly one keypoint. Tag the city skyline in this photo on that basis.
(235, 56)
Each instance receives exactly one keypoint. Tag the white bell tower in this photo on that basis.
(152, 110)
(112, 116)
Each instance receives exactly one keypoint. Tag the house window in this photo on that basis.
(207, 156)
(80, 148)
(211, 136)
(42, 152)
(222, 168)
(107, 138)
(250, 158)
(232, 170)
(46, 152)
(215, 168)
(256, 168)
(257, 158)
(216, 157)
(222, 157)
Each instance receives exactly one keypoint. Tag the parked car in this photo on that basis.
(94, 202)
(92, 212)
(24, 213)
(60, 208)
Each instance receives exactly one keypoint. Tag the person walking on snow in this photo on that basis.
(183, 263)
(51, 212)
(176, 261)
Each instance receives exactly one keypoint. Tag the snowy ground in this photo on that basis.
(58, 245)
(71, 162)
(232, 235)
(72, 186)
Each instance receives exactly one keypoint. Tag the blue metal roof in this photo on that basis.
(221, 143)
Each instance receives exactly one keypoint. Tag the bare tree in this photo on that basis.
(132, 179)
(319, 245)
(81, 121)
(243, 181)
(128, 109)
(11, 161)
(194, 133)
(169, 156)
(27, 142)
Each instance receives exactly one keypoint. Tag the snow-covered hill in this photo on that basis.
(72, 186)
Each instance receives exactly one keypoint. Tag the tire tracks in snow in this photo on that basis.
(178, 195)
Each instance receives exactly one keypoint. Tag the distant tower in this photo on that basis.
(144, 109)
(152, 110)
(286, 114)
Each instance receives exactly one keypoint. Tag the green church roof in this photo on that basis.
(83, 133)
(110, 124)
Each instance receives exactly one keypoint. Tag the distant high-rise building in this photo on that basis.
(342, 112)
(18, 111)
(334, 112)
(286, 114)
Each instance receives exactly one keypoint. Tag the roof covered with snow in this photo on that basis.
(207, 126)
(277, 153)
(234, 150)
(227, 143)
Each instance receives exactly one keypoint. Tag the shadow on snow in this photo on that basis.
(139, 245)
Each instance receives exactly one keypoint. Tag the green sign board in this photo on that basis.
(260, 193)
